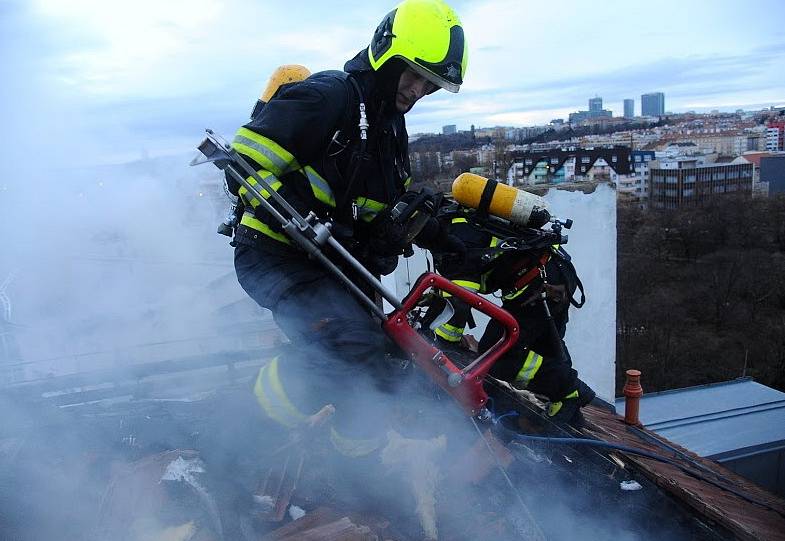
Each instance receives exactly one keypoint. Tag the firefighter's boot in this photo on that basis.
(567, 411)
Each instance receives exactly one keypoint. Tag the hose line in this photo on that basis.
(631, 450)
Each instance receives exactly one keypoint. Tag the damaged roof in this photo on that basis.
(171, 453)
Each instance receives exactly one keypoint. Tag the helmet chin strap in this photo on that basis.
(387, 78)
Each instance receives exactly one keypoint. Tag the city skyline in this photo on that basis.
(128, 80)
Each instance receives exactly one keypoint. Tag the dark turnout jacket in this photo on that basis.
(306, 143)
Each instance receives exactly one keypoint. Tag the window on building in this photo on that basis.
(528, 161)
(585, 159)
(614, 159)
(638, 158)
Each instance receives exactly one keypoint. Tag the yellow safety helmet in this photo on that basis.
(428, 36)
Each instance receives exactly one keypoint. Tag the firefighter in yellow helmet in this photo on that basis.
(336, 144)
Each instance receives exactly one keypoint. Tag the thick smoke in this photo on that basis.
(110, 263)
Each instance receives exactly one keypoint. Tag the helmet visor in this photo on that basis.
(432, 77)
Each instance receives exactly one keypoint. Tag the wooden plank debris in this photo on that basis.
(322, 524)
(746, 519)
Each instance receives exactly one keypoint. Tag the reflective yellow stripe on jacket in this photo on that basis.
(321, 190)
(274, 183)
(274, 161)
(248, 218)
(515, 294)
(367, 209)
(264, 151)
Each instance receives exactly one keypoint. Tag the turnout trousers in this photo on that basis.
(337, 349)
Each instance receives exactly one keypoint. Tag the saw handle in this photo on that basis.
(465, 385)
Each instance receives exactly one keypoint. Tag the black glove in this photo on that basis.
(453, 246)
(387, 235)
(381, 265)
(391, 230)
(436, 237)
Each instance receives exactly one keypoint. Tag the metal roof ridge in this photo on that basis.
(715, 415)
(736, 381)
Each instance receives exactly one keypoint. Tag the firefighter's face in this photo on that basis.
(411, 87)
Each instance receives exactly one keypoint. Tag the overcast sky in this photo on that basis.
(113, 81)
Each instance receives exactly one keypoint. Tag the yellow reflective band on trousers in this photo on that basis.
(272, 398)
(321, 190)
(451, 333)
(352, 447)
(264, 151)
(407, 182)
(367, 209)
(459, 221)
(554, 407)
(529, 369)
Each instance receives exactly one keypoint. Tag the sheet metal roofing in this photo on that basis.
(719, 420)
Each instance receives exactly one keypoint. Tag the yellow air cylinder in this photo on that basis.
(505, 201)
(288, 73)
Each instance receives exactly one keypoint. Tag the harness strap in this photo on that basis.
(485, 198)
(358, 157)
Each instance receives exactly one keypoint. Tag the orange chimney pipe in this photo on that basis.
(632, 393)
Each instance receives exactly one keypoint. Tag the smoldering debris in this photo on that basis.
(418, 460)
(157, 469)
(159, 493)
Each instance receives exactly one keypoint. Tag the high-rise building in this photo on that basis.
(629, 108)
(775, 136)
(653, 104)
(449, 129)
(595, 111)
